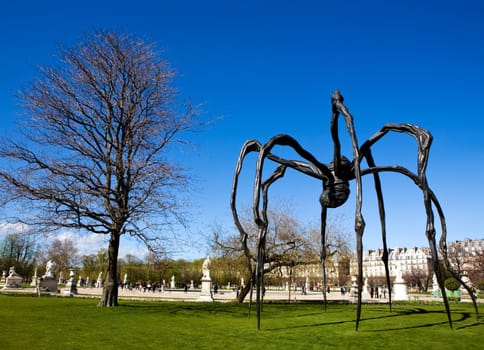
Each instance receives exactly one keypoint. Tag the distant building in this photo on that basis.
(467, 258)
(415, 263)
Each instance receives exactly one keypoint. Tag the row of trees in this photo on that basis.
(24, 253)
(21, 251)
(290, 245)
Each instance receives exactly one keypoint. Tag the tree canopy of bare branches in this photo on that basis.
(94, 148)
(289, 243)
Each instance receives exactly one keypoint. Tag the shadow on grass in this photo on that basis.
(415, 311)
(457, 317)
(177, 308)
(236, 310)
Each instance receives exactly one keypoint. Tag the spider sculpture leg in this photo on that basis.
(381, 211)
(248, 147)
(312, 168)
(261, 246)
(432, 201)
(339, 108)
(424, 140)
(324, 211)
(255, 274)
(443, 251)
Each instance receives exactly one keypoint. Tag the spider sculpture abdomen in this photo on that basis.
(337, 190)
(335, 193)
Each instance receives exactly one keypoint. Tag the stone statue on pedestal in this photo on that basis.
(206, 268)
(14, 280)
(206, 292)
(48, 282)
(99, 281)
(49, 269)
(399, 285)
(71, 285)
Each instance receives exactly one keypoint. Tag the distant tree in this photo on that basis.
(338, 250)
(289, 245)
(19, 251)
(224, 270)
(480, 285)
(134, 267)
(476, 272)
(89, 267)
(468, 262)
(65, 255)
(458, 257)
(185, 271)
(452, 284)
(94, 149)
(156, 266)
(418, 277)
(102, 260)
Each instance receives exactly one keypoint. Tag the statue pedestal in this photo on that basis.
(365, 294)
(400, 290)
(71, 285)
(354, 290)
(48, 284)
(70, 289)
(14, 281)
(206, 293)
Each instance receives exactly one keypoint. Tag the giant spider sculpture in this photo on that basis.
(335, 178)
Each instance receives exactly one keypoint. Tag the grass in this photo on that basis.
(72, 323)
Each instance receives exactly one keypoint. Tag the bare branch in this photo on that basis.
(95, 144)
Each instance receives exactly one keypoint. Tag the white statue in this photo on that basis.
(206, 268)
(11, 272)
(398, 271)
(435, 284)
(99, 282)
(61, 278)
(49, 269)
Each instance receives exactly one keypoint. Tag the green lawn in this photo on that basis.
(71, 323)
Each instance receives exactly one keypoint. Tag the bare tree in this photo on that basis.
(338, 247)
(94, 152)
(476, 273)
(20, 251)
(419, 278)
(64, 253)
(458, 257)
(89, 267)
(288, 245)
(467, 260)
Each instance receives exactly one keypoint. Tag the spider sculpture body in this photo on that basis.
(335, 178)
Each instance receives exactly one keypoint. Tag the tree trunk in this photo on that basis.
(110, 288)
(243, 293)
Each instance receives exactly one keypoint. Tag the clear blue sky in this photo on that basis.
(269, 67)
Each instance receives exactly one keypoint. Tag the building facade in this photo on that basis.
(414, 264)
